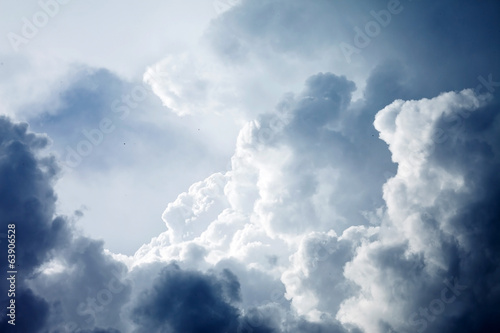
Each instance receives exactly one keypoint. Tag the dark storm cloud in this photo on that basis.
(450, 231)
(303, 326)
(26, 195)
(92, 290)
(191, 302)
(325, 97)
(387, 82)
(28, 201)
(31, 313)
(465, 143)
(433, 39)
(472, 147)
(100, 330)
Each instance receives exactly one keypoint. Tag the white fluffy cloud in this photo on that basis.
(420, 236)
(281, 208)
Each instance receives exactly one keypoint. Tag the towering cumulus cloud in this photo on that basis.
(319, 226)
(361, 234)
(435, 255)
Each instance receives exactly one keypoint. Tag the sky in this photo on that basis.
(250, 166)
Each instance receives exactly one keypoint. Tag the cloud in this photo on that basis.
(184, 83)
(71, 283)
(365, 201)
(283, 198)
(103, 287)
(204, 199)
(315, 169)
(317, 120)
(28, 203)
(104, 123)
(420, 274)
(255, 249)
(32, 312)
(284, 36)
(27, 196)
(182, 301)
(57, 267)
